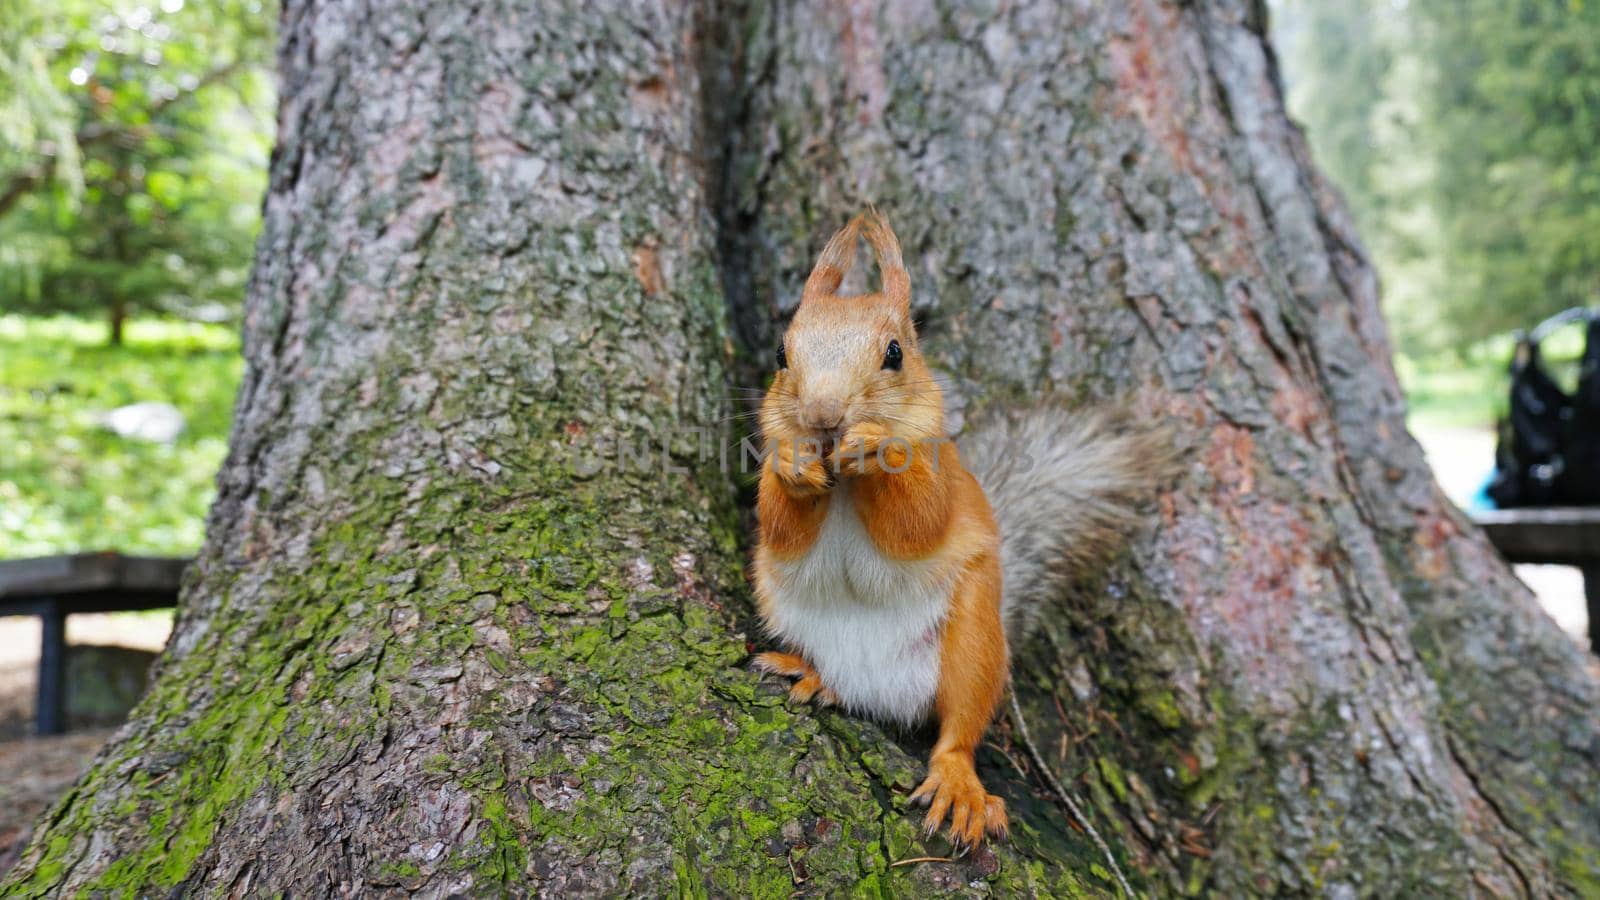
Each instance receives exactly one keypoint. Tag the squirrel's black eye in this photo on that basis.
(891, 356)
(783, 358)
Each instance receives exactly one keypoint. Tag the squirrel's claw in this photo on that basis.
(811, 688)
(923, 795)
(953, 789)
(825, 697)
(869, 447)
(996, 823)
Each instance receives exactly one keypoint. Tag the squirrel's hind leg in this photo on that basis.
(792, 665)
(972, 679)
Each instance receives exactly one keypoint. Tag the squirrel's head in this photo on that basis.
(845, 360)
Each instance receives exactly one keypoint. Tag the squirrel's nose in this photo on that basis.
(822, 415)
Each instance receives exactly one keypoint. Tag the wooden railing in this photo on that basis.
(1562, 536)
(54, 587)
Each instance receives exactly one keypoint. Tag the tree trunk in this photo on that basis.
(118, 312)
(118, 317)
(427, 647)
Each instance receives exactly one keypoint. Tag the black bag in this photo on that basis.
(1581, 477)
(1549, 448)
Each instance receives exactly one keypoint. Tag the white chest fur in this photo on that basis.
(869, 624)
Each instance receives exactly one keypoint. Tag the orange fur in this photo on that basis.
(788, 522)
(909, 515)
(809, 685)
(972, 680)
(914, 499)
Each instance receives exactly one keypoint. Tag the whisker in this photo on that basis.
(734, 417)
(899, 393)
(907, 398)
(905, 403)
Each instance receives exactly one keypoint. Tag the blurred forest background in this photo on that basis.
(1463, 134)
(134, 138)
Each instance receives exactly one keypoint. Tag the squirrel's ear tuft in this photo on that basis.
(834, 261)
(895, 281)
(840, 253)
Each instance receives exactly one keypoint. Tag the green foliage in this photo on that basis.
(1462, 132)
(1470, 387)
(133, 143)
(1512, 110)
(35, 115)
(66, 482)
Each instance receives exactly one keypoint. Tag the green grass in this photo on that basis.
(1453, 392)
(1470, 389)
(67, 483)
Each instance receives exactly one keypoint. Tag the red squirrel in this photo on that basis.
(889, 571)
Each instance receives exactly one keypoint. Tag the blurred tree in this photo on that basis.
(133, 145)
(1509, 115)
(1462, 134)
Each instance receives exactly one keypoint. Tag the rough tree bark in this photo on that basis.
(423, 652)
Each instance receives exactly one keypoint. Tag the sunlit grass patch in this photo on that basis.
(1471, 388)
(66, 482)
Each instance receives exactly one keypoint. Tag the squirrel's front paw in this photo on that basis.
(952, 788)
(869, 447)
(802, 474)
(809, 686)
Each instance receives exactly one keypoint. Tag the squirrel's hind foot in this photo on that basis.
(808, 688)
(952, 789)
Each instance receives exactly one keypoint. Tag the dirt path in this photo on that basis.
(35, 771)
(38, 771)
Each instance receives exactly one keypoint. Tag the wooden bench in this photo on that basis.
(1566, 536)
(54, 587)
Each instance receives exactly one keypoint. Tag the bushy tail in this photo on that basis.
(1066, 487)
